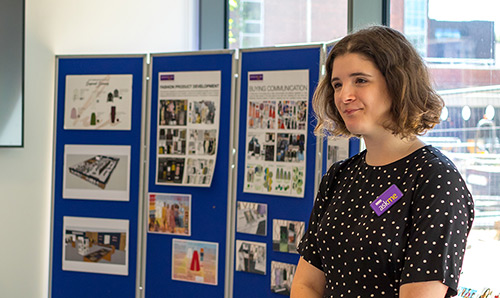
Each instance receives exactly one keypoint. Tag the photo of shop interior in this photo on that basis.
(96, 247)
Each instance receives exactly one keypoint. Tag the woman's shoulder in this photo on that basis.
(433, 161)
(439, 175)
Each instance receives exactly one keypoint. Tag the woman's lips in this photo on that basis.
(351, 111)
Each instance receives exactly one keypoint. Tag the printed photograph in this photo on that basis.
(251, 218)
(202, 112)
(170, 214)
(251, 257)
(290, 147)
(292, 115)
(281, 277)
(337, 149)
(170, 170)
(199, 171)
(287, 235)
(172, 141)
(96, 245)
(202, 141)
(262, 115)
(195, 261)
(261, 146)
(172, 112)
(96, 172)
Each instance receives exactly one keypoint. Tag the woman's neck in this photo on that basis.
(388, 148)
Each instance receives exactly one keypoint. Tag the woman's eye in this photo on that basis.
(360, 80)
(336, 86)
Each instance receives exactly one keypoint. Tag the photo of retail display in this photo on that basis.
(261, 146)
(251, 257)
(91, 246)
(262, 115)
(172, 112)
(202, 112)
(98, 245)
(290, 147)
(287, 235)
(202, 141)
(170, 170)
(292, 115)
(172, 141)
(281, 277)
(199, 171)
(251, 218)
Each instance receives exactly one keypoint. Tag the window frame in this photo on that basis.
(213, 17)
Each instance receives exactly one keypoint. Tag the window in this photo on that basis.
(257, 23)
(459, 46)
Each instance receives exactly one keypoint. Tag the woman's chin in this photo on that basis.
(355, 130)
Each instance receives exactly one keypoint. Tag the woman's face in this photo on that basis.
(361, 94)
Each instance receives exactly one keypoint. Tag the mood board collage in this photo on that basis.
(187, 141)
(275, 163)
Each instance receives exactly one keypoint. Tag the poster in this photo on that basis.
(195, 261)
(281, 277)
(276, 140)
(251, 257)
(337, 150)
(188, 127)
(170, 214)
(287, 235)
(98, 102)
(96, 172)
(251, 218)
(96, 245)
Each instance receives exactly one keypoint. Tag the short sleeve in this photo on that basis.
(441, 218)
(307, 247)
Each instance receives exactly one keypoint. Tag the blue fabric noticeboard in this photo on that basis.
(84, 205)
(284, 207)
(209, 206)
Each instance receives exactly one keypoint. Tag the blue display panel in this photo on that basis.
(249, 283)
(209, 204)
(99, 226)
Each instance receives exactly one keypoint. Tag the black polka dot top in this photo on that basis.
(421, 237)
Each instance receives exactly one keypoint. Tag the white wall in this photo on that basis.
(59, 27)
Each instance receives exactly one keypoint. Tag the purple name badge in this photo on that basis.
(386, 200)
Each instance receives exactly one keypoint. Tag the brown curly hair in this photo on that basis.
(415, 108)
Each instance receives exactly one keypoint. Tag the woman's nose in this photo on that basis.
(346, 94)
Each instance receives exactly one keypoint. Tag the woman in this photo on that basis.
(393, 220)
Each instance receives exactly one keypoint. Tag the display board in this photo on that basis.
(276, 165)
(97, 170)
(187, 205)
